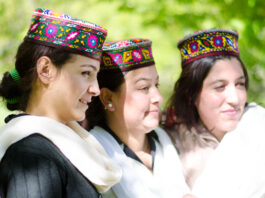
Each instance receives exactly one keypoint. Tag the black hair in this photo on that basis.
(26, 58)
(95, 114)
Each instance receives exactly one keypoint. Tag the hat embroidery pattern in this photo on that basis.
(208, 43)
(60, 30)
(126, 55)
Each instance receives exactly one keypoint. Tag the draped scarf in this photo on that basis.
(236, 168)
(137, 180)
(81, 148)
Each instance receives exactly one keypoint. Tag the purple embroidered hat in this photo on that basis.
(126, 55)
(208, 43)
(62, 31)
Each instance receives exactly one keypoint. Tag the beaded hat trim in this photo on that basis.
(126, 55)
(62, 31)
(208, 43)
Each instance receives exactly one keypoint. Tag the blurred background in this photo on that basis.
(163, 21)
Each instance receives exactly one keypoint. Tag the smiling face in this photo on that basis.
(137, 103)
(221, 101)
(73, 88)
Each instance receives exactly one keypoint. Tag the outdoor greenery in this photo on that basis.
(163, 21)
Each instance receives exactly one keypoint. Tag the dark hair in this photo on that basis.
(26, 58)
(188, 87)
(95, 114)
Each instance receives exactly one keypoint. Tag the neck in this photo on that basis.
(39, 105)
(218, 134)
(135, 140)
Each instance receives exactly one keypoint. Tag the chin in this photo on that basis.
(152, 126)
(231, 126)
(80, 117)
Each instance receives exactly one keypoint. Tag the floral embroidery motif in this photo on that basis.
(194, 46)
(218, 41)
(92, 41)
(208, 43)
(50, 31)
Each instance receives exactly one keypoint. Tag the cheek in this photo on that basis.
(80, 85)
(243, 96)
(208, 106)
(136, 102)
(209, 100)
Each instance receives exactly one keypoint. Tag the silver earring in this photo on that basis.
(110, 105)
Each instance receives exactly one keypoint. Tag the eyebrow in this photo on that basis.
(216, 81)
(146, 79)
(91, 66)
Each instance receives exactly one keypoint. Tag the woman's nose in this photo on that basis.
(94, 89)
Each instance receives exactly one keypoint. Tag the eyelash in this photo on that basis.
(239, 83)
(145, 88)
(219, 87)
(86, 73)
(148, 87)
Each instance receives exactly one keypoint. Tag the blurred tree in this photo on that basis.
(163, 21)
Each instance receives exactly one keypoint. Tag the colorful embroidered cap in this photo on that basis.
(62, 31)
(208, 43)
(126, 55)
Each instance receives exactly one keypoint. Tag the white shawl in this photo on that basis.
(137, 180)
(237, 167)
(81, 148)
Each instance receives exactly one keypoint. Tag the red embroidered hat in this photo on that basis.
(126, 55)
(208, 43)
(62, 31)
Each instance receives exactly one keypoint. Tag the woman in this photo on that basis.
(208, 101)
(128, 116)
(52, 84)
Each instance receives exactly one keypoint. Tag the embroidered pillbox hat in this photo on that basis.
(126, 55)
(206, 43)
(62, 31)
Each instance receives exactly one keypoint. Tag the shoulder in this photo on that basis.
(102, 135)
(252, 122)
(163, 136)
(254, 109)
(31, 161)
(254, 115)
(33, 148)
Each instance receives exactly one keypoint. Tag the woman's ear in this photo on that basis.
(106, 98)
(46, 71)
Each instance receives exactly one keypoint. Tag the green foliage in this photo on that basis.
(163, 21)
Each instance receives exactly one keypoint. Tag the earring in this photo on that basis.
(108, 106)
